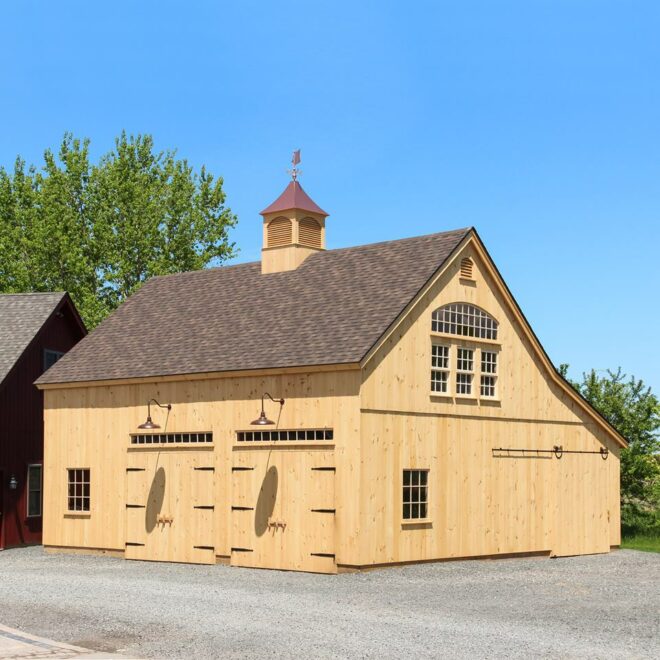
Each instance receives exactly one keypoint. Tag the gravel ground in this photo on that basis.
(587, 607)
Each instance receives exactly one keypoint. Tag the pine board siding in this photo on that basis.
(345, 337)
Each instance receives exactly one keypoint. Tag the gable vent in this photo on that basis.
(466, 268)
(279, 232)
(309, 233)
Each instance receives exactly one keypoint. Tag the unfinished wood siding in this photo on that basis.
(90, 427)
(479, 504)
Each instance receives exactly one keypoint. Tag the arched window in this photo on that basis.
(279, 232)
(464, 320)
(309, 233)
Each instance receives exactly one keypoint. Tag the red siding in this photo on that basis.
(21, 427)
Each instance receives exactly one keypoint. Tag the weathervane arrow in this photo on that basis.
(295, 160)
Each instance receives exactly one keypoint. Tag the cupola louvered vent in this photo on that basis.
(279, 232)
(309, 233)
(466, 268)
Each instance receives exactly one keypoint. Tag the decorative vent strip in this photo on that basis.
(303, 435)
(171, 438)
(466, 268)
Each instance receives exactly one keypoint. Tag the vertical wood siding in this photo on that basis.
(21, 428)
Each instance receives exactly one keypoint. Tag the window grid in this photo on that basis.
(293, 435)
(415, 494)
(51, 357)
(464, 320)
(170, 438)
(34, 488)
(463, 383)
(78, 499)
(488, 362)
(465, 359)
(488, 386)
(439, 368)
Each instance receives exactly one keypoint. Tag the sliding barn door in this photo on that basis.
(283, 509)
(170, 505)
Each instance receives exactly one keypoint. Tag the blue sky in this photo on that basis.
(535, 121)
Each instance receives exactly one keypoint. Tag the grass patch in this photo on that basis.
(645, 543)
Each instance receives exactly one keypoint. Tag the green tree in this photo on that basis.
(101, 230)
(632, 408)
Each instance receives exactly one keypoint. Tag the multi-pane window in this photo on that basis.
(415, 494)
(488, 373)
(464, 320)
(439, 368)
(34, 490)
(50, 358)
(464, 370)
(78, 499)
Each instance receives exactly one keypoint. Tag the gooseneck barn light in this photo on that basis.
(262, 420)
(149, 424)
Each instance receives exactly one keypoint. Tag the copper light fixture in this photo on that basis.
(149, 424)
(262, 420)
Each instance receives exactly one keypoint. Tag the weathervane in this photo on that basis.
(295, 159)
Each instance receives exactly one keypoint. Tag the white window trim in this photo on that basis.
(41, 491)
(494, 375)
(448, 370)
(476, 373)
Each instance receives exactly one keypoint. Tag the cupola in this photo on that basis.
(294, 227)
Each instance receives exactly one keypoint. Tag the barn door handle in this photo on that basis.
(277, 524)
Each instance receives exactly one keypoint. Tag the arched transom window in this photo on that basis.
(464, 320)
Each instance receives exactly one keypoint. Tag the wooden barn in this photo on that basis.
(325, 410)
(36, 329)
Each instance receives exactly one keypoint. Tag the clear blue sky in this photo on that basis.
(536, 121)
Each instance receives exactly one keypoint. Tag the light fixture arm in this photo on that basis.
(149, 424)
(265, 394)
(160, 405)
(262, 420)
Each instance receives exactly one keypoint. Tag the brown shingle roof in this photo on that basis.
(22, 315)
(330, 310)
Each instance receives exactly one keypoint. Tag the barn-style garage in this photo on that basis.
(325, 410)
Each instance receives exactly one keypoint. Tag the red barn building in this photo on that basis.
(36, 329)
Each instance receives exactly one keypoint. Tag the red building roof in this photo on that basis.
(294, 197)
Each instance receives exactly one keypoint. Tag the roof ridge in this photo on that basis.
(400, 240)
(35, 293)
(331, 251)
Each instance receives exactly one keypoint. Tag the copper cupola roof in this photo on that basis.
(294, 197)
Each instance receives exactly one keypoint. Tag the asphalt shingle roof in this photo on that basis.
(330, 310)
(22, 315)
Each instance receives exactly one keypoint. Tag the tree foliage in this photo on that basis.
(100, 230)
(632, 408)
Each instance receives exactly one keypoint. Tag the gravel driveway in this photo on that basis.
(599, 606)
